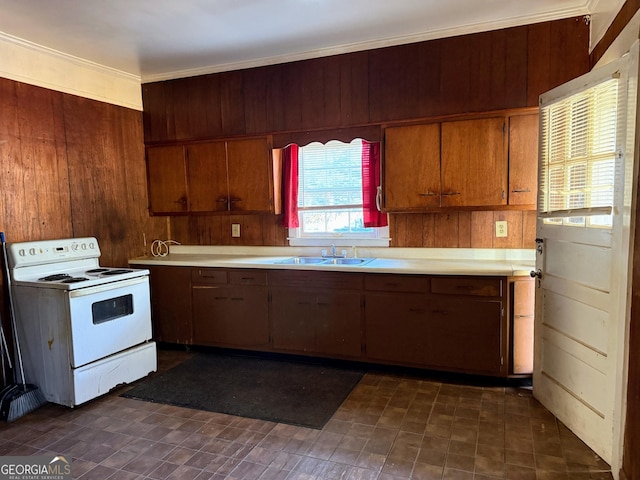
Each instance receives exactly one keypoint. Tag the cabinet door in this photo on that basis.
(411, 168)
(523, 160)
(166, 173)
(170, 303)
(235, 316)
(337, 325)
(207, 177)
(396, 327)
(474, 163)
(249, 169)
(465, 334)
(292, 317)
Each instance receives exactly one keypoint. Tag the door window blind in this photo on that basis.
(578, 157)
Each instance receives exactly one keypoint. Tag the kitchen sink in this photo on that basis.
(323, 261)
(348, 261)
(302, 260)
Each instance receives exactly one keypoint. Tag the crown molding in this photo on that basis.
(27, 62)
(370, 45)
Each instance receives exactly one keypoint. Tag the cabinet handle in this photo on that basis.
(428, 194)
(237, 298)
(181, 201)
(416, 310)
(236, 200)
(379, 198)
(521, 190)
(440, 312)
(448, 194)
(221, 200)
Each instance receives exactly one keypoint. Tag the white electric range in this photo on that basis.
(83, 328)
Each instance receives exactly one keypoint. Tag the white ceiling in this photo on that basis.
(161, 39)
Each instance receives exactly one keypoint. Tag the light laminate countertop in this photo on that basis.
(432, 261)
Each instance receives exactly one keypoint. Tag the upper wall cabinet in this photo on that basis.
(232, 176)
(411, 170)
(167, 179)
(523, 160)
(474, 163)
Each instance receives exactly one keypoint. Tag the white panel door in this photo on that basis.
(583, 268)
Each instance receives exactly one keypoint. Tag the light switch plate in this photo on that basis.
(235, 230)
(501, 228)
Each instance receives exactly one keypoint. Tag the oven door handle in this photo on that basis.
(81, 292)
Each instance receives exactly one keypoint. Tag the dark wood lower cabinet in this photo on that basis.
(322, 322)
(170, 303)
(230, 316)
(396, 328)
(230, 308)
(450, 323)
(466, 335)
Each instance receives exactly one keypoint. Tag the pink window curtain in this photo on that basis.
(290, 186)
(370, 184)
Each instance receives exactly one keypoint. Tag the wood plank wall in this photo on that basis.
(72, 167)
(502, 69)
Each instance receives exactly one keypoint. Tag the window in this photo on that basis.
(330, 197)
(578, 157)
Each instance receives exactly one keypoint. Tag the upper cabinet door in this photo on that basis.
(166, 171)
(207, 177)
(411, 168)
(523, 159)
(474, 163)
(250, 179)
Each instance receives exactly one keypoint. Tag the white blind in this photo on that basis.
(578, 153)
(330, 175)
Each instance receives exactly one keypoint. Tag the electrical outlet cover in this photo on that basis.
(501, 228)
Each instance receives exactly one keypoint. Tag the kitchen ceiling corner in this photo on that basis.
(167, 39)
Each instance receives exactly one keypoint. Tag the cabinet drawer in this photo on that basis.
(247, 277)
(315, 279)
(396, 283)
(208, 275)
(478, 286)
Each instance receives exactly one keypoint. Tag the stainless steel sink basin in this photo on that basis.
(349, 261)
(302, 260)
(323, 261)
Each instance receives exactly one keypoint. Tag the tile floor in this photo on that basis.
(393, 426)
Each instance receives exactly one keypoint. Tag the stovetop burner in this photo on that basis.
(74, 279)
(96, 270)
(55, 277)
(117, 271)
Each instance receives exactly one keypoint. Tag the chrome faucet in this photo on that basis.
(334, 253)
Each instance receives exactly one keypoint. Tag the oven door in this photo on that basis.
(109, 318)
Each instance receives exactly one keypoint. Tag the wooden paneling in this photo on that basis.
(462, 229)
(107, 178)
(557, 52)
(73, 167)
(495, 70)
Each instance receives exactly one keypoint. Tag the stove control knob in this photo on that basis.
(21, 252)
(84, 246)
(32, 251)
(74, 247)
(92, 246)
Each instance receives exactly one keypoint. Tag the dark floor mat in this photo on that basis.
(281, 391)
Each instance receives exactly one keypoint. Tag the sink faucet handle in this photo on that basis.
(333, 249)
